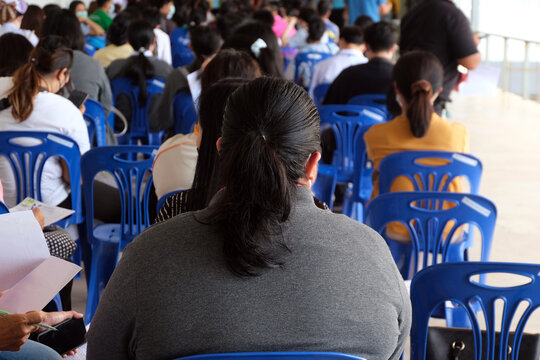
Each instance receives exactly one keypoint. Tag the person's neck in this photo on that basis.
(352, 47)
(46, 85)
(314, 41)
(381, 54)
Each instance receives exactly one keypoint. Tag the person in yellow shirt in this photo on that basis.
(118, 47)
(417, 78)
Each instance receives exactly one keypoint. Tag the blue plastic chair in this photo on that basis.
(349, 123)
(300, 355)
(430, 177)
(27, 161)
(325, 184)
(181, 53)
(375, 100)
(3, 208)
(454, 282)
(162, 199)
(289, 53)
(107, 240)
(94, 116)
(138, 124)
(89, 49)
(185, 116)
(319, 92)
(423, 215)
(304, 64)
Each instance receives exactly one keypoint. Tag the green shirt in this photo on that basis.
(101, 18)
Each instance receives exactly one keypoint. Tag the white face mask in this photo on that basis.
(171, 12)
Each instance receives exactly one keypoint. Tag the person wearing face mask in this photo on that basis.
(11, 14)
(33, 105)
(166, 11)
(103, 15)
(88, 27)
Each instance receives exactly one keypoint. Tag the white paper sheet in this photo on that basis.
(482, 81)
(37, 288)
(194, 82)
(51, 214)
(22, 247)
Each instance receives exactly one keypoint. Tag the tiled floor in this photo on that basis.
(505, 135)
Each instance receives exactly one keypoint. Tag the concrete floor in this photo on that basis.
(505, 135)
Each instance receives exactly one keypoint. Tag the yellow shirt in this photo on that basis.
(112, 52)
(395, 136)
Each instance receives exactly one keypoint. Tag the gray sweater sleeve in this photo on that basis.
(113, 332)
(404, 319)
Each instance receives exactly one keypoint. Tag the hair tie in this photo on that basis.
(421, 86)
(142, 50)
(257, 46)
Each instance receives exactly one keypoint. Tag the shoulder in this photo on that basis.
(61, 105)
(88, 61)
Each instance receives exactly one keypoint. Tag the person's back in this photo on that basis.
(274, 273)
(374, 77)
(118, 47)
(441, 28)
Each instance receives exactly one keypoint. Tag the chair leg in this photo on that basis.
(103, 263)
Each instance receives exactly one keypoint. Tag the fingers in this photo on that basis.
(54, 318)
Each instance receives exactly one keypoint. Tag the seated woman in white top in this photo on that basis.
(34, 106)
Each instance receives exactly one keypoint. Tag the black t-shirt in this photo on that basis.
(438, 26)
(374, 77)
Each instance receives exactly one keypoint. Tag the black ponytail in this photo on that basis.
(270, 129)
(139, 68)
(418, 75)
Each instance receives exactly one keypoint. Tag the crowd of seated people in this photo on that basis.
(240, 243)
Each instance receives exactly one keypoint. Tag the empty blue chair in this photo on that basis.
(138, 124)
(319, 92)
(185, 116)
(375, 100)
(304, 64)
(27, 152)
(430, 177)
(457, 282)
(181, 53)
(94, 116)
(349, 123)
(134, 181)
(432, 227)
(301, 355)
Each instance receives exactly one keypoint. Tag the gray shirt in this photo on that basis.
(172, 294)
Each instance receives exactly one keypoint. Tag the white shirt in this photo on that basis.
(11, 28)
(51, 113)
(328, 70)
(174, 165)
(163, 46)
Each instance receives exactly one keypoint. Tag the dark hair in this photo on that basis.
(212, 105)
(363, 22)
(229, 63)
(307, 14)
(48, 56)
(380, 36)
(19, 49)
(323, 7)
(265, 17)
(227, 24)
(73, 5)
(152, 16)
(270, 129)
(270, 57)
(352, 35)
(33, 19)
(65, 24)
(418, 74)
(197, 17)
(205, 41)
(159, 3)
(117, 33)
(316, 29)
(100, 3)
(50, 9)
(140, 36)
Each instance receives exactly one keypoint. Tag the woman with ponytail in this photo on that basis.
(418, 78)
(139, 67)
(262, 268)
(33, 105)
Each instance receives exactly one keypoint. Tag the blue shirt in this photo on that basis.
(364, 7)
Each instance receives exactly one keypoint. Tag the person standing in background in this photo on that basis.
(103, 15)
(373, 8)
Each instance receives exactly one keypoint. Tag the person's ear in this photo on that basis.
(62, 76)
(396, 90)
(312, 167)
(394, 48)
(218, 144)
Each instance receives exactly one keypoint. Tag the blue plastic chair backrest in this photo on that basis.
(454, 282)
(133, 179)
(138, 127)
(94, 116)
(376, 100)
(162, 199)
(3, 208)
(27, 152)
(325, 184)
(349, 123)
(429, 177)
(307, 60)
(89, 49)
(319, 92)
(185, 116)
(300, 355)
(181, 54)
(431, 227)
